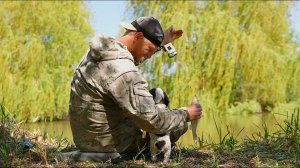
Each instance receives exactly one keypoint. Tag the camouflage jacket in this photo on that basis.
(110, 103)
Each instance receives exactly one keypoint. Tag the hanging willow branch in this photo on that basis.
(41, 43)
(230, 52)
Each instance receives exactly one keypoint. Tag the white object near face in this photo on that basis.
(160, 143)
(170, 50)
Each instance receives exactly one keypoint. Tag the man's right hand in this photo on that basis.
(194, 111)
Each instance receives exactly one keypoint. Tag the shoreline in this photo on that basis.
(267, 149)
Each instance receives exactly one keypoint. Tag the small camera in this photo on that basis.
(170, 49)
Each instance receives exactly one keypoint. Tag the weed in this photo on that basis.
(227, 142)
(14, 152)
(282, 145)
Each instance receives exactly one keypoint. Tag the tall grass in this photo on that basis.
(227, 141)
(280, 148)
(38, 151)
(283, 145)
(288, 136)
(265, 149)
(10, 147)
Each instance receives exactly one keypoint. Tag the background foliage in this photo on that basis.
(236, 56)
(41, 44)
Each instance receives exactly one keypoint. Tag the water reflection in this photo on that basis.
(53, 129)
(249, 124)
(242, 125)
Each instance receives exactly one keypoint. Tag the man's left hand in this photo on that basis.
(171, 34)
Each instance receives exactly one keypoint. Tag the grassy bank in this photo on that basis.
(21, 148)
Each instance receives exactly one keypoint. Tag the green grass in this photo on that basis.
(12, 152)
(264, 149)
(282, 146)
(9, 146)
(226, 142)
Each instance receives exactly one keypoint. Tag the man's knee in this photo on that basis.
(176, 134)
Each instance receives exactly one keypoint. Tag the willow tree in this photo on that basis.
(230, 53)
(41, 42)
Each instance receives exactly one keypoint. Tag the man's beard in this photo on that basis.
(143, 59)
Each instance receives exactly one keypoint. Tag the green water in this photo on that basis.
(248, 123)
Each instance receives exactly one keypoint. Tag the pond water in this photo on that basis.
(250, 124)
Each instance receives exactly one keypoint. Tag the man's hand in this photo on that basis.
(194, 111)
(171, 34)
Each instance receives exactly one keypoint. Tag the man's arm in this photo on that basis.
(130, 93)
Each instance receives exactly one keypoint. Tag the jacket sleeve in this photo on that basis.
(130, 93)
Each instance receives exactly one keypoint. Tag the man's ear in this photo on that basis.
(138, 35)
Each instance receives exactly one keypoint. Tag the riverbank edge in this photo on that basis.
(22, 148)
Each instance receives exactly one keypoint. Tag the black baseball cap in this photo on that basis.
(149, 26)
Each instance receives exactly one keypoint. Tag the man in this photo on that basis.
(109, 100)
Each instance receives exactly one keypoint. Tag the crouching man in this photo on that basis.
(109, 101)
